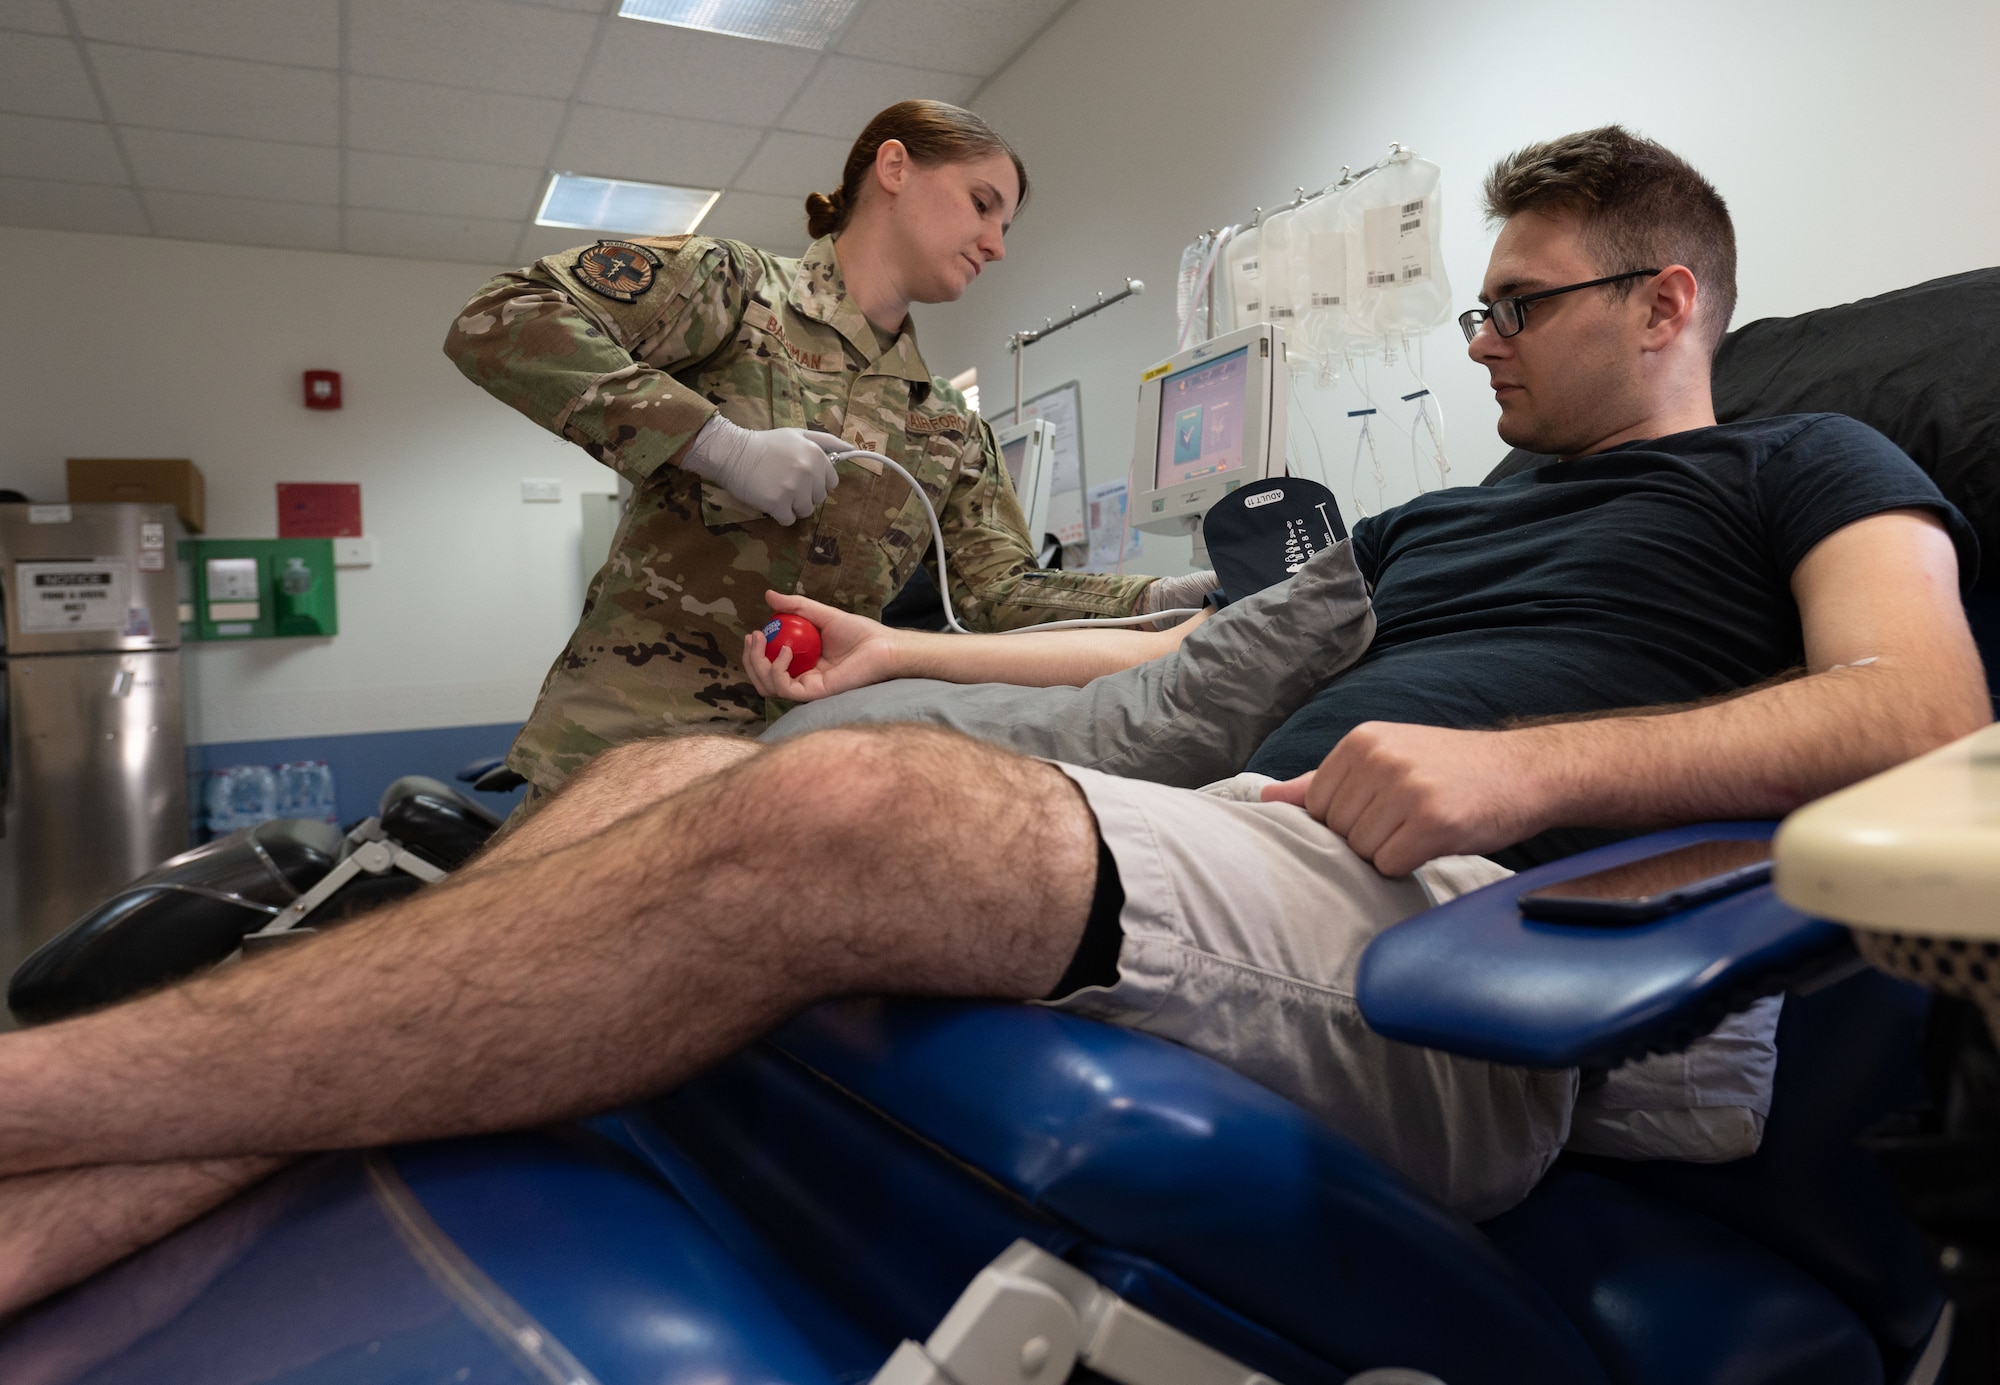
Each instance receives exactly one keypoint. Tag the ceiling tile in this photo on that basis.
(71, 151)
(471, 43)
(672, 71)
(577, 6)
(244, 220)
(547, 240)
(975, 36)
(846, 92)
(657, 148)
(777, 224)
(218, 96)
(431, 237)
(395, 182)
(36, 16)
(70, 207)
(44, 76)
(175, 162)
(450, 122)
(795, 164)
(273, 31)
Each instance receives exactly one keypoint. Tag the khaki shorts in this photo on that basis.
(1244, 923)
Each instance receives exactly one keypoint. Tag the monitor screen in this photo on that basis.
(1202, 412)
(1012, 455)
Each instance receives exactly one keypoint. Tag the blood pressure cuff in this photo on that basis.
(1187, 719)
(1260, 535)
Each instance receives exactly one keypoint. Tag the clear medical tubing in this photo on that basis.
(1191, 306)
(1392, 222)
(1204, 293)
(944, 577)
(1244, 279)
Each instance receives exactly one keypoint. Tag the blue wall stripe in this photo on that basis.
(365, 764)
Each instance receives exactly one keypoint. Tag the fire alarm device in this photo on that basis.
(322, 389)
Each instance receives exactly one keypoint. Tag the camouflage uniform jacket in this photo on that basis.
(627, 348)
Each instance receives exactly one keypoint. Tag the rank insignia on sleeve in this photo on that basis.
(616, 269)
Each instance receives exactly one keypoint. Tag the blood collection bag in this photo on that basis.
(1243, 279)
(1325, 326)
(1275, 270)
(1391, 218)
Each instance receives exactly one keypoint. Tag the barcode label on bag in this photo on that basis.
(1395, 244)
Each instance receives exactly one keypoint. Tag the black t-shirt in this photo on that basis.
(1655, 572)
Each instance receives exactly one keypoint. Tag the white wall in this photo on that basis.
(1851, 139)
(125, 347)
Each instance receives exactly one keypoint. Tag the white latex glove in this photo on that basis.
(785, 472)
(1174, 593)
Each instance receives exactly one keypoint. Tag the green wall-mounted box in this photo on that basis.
(252, 589)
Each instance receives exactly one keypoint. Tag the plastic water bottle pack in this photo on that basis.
(239, 796)
(305, 790)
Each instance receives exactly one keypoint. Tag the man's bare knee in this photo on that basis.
(970, 866)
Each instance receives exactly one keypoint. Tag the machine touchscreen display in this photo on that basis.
(1201, 420)
(1012, 455)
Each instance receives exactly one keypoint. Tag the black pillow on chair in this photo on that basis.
(1921, 365)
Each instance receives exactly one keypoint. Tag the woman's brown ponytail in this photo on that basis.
(934, 133)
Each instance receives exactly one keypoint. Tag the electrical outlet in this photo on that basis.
(354, 552)
(540, 489)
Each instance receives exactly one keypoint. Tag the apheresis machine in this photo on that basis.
(1211, 420)
(1028, 451)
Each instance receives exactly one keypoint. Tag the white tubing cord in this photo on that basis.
(944, 575)
(1312, 430)
(1364, 445)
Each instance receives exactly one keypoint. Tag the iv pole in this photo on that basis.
(1019, 342)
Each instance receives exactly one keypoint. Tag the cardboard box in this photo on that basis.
(174, 481)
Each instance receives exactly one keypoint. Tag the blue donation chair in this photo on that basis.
(1035, 1197)
(837, 1189)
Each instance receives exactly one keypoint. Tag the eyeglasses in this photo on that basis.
(1510, 315)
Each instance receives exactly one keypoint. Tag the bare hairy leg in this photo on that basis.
(616, 784)
(62, 1226)
(607, 969)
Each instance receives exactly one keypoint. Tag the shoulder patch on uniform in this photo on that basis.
(616, 269)
(937, 423)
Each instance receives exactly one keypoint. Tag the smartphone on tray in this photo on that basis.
(1652, 886)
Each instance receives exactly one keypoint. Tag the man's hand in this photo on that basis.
(1402, 795)
(854, 652)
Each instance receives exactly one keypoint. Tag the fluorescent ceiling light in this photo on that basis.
(800, 23)
(613, 204)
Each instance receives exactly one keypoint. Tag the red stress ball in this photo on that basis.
(797, 634)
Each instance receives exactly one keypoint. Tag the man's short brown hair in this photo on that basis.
(1642, 207)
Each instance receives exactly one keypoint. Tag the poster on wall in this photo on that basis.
(1112, 541)
(319, 510)
(1062, 406)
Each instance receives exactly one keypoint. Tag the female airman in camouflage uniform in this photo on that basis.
(715, 378)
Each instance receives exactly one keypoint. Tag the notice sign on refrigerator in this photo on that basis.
(73, 594)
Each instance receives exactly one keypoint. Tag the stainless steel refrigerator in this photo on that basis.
(95, 771)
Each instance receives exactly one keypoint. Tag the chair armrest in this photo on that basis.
(1476, 978)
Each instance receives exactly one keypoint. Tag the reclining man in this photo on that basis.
(645, 924)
